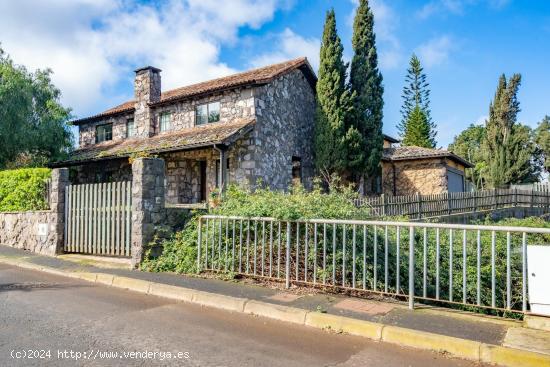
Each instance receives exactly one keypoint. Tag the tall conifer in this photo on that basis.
(416, 94)
(364, 126)
(333, 102)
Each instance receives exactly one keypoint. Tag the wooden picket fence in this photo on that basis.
(426, 206)
(98, 218)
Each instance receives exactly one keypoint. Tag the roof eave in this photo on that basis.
(100, 117)
(227, 142)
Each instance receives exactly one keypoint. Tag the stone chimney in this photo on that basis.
(146, 91)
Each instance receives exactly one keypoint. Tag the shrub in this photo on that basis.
(23, 189)
(180, 253)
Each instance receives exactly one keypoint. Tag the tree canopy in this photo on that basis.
(417, 129)
(33, 123)
(508, 147)
(364, 133)
(468, 144)
(333, 103)
(416, 100)
(542, 138)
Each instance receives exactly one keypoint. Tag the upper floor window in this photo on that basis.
(208, 112)
(130, 128)
(164, 122)
(103, 133)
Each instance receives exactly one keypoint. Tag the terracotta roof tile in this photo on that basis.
(218, 133)
(255, 76)
(413, 152)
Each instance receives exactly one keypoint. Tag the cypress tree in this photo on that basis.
(417, 129)
(364, 126)
(507, 145)
(333, 102)
(416, 93)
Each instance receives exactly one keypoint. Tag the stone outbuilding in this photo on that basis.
(255, 126)
(410, 170)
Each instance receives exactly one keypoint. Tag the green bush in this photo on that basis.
(180, 252)
(23, 189)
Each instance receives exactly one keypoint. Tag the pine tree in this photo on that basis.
(416, 93)
(417, 129)
(333, 102)
(508, 148)
(364, 125)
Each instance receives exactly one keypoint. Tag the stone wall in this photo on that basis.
(423, 176)
(87, 130)
(183, 175)
(285, 112)
(102, 171)
(38, 231)
(235, 103)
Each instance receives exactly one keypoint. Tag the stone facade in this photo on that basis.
(285, 111)
(148, 203)
(39, 231)
(423, 176)
(87, 131)
(102, 171)
(234, 103)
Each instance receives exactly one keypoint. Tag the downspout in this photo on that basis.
(221, 175)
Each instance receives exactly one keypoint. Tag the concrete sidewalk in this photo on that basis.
(461, 334)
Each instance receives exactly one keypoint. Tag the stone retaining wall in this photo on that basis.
(38, 231)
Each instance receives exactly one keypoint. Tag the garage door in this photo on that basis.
(455, 181)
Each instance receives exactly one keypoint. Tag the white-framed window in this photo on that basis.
(207, 113)
(130, 128)
(164, 122)
(103, 133)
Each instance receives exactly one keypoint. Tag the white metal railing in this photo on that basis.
(470, 265)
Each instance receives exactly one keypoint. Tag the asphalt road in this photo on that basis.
(65, 322)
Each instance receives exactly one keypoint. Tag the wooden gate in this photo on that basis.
(98, 218)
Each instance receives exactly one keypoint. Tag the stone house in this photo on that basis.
(244, 128)
(411, 170)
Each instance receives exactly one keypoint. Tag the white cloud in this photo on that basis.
(436, 51)
(455, 6)
(291, 45)
(91, 44)
(386, 21)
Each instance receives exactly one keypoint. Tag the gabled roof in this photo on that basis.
(252, 77)
(413, 152)
(196, 137)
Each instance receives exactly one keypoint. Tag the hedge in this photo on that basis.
(23, 189)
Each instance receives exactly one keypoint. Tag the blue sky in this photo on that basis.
(93, 46)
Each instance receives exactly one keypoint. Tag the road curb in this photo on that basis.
(336, 323)
(171, 292)
(464, 348)
(136, 285)
(506, 356)
(456, 347)
(277, 312)
(219, 301)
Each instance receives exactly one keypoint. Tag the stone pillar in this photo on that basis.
(59, 182)
(148, 211)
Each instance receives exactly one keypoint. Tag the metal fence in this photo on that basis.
(425, 206)
(470, 265)
(98, 218)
